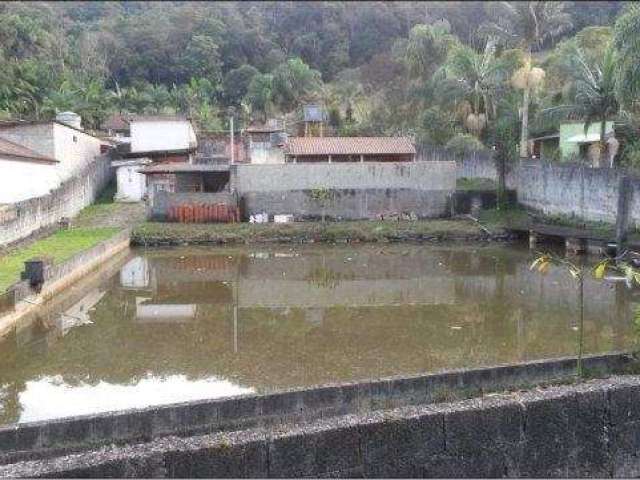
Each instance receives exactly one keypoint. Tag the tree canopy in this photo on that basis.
(435, 70)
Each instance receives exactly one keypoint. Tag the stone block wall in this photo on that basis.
(588, 430)
(576, 191)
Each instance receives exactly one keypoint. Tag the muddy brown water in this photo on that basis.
(170, 325)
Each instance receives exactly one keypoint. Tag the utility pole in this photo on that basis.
(233, 146)
(230, 112)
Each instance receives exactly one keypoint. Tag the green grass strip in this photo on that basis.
(61, 246)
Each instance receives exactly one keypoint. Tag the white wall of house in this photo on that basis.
(131, 185)
(21, 180)
(73, 149)
(160, 135)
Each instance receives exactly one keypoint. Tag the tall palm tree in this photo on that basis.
(527, 25)
(594, 92)
(476, 78)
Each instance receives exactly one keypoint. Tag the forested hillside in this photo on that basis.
(456, 73)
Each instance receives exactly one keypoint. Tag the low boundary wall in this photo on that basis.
(59, 277)
(588, 430)
(41, 439)
(347, 191)
(21, 219)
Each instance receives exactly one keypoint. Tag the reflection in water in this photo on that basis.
(51, 397)
(183, 324)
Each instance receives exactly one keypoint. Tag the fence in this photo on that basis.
(21, 219)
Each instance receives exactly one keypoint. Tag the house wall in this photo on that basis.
(75, 150)
(55, 141)
(38, 137)
(161, 135)
(131, 184)
(357, 190)
(21, 180)
(264, 153)
(568, 130)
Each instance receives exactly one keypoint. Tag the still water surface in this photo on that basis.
(173, 325)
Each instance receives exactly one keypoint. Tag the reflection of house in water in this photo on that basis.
(79, 313)
(163, 313)
(135, 273)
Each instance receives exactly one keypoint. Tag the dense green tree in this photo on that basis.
(236, 83)
(293, 83)
(259, 95)
(627, 42)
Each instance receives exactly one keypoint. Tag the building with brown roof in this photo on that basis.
(349, 149)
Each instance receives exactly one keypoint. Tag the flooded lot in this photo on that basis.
(170, 325)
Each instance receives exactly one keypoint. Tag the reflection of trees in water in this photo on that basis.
(285, 347)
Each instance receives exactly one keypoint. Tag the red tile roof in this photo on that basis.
(350, 146)
(19, 152)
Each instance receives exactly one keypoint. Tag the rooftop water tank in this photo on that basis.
(69, 118)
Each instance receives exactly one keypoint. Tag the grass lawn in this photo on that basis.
(61, 246)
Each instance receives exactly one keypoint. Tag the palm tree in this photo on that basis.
(476, 77)
(595, 90)
(527, 25)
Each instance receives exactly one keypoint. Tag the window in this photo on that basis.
(75, 139)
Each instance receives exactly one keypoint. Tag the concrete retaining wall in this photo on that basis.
(21, 219)
(40, 439)
(59, 277)
(588, 430)
(355, 190)
(573, 190)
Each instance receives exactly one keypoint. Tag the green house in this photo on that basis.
(570, 143)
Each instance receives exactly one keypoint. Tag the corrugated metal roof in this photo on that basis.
(350, 146)
(14, 150)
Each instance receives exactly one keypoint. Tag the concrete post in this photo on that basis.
(533, 240)
(622, 216)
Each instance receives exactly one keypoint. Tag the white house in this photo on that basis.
(131, 185)
(25, 173)
(151, 139)
(37, 156)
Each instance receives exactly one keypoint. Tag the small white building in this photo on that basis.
(131, 185)
(151, 139)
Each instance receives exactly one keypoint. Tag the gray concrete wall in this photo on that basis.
(42, 439)
(572, 190)
(356, 190)
(21, 219)
(588, 430)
